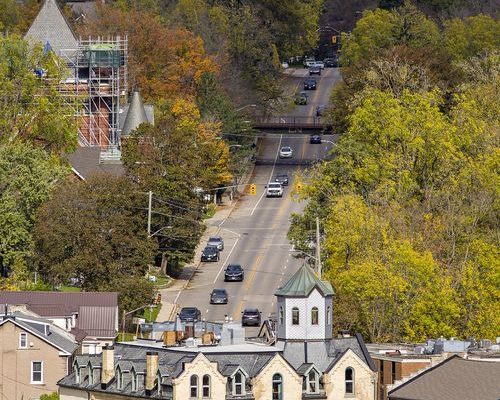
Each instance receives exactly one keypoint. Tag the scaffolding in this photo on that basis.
(96, 89)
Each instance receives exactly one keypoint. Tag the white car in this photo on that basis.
(286, 152)
(274, 189)
(285, 65)
(308, 62)
(320, 64)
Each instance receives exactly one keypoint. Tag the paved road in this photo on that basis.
(255, 236)
(321, 96)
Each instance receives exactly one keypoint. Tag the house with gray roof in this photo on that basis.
(91, 317)
(304, 362)
(34, 355)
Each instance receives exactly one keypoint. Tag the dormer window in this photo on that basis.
(312, 379)
(119, 379)
(238, 383)
(295, 316)
(134, 381)
(23, 340)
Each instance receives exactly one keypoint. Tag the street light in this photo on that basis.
(165, 227)
(242, 108)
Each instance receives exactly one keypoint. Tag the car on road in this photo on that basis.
(315, 70)
(210, 253)
(320, 110)
(301, 98)
(218, 296)
(190, 314)
(234, 272)
(310, 84)
(274, 189)
(286, 152)
(216, 241)
(320, 64)
(331, 62)
(315, 139)
(282, 177)
(308, 62)
(285, 65)
(250, 316)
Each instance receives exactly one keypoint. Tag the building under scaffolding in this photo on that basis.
(96, 88)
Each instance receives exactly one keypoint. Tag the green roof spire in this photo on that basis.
(302, 283)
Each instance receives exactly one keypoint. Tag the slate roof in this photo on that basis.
(36, 326)
(302, 283)
(86, 163)
(454, 378)
(136, 115)
(51, 26)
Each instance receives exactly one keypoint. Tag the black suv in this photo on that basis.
(282, 178)
(218, 296)
(251, 316)
(315, 139)
(310, 84)
(234, 272)
(331, 62)
(315, 70)
(189, 314)
(210, 253)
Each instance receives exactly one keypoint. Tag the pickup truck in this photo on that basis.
(274, 189)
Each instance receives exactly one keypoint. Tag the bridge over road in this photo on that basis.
(290, 123)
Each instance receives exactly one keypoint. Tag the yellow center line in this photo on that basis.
(248, 282)
(304, 144)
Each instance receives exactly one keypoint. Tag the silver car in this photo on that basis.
(216, 241)
(286, 152)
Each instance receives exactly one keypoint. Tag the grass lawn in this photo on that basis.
(69, 289)
(210, 211)
(154, 313)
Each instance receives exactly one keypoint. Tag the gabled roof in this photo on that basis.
(51, 27)
(136, 115)
(302, 283)
(454, 378)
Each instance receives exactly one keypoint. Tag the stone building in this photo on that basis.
(304, 362)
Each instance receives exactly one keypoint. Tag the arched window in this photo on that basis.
(193, 387)
(239, 383)
(277, 387)
(281, 316)
(328, 315)
(77, 373)
(119, 379)
(295, 316)
(133, 380)
(314, 316)
(312, 382)
(206, 386)
(349, 380)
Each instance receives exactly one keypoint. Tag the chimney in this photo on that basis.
(108, 365)
(151, 369)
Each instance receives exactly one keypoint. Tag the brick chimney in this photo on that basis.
(108, 365)
(151, 369)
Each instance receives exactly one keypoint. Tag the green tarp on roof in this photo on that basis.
(302, 283)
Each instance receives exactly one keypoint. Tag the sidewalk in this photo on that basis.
(170, 295)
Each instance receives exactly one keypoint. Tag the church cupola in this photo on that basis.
(304, 307)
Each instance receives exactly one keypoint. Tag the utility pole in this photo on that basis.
(318, 250)
(149, 211)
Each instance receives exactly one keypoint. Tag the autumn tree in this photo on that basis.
(95, 231)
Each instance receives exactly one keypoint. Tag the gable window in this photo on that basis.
(281, 316)
(23, 340)
(312, 382)
(91, 374)
(134, 381)
(277, 387)
(206, 386)
(36, 372)
(328, 315)
(76, 370)
(314, 316)
(349, 380)
(295, 316)
(193, 387)
(238, 383)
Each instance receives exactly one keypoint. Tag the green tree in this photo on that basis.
(27, 177)
(95, 231)
(32, 108)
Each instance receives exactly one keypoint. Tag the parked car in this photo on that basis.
(189, 314)
(234, 272)
(218, 296)
(310, 84)
(332, 62)
(301, 98)
(285, 65)
(315, 139)
(210, 253)
(282, 178)
(315, 70)
(216, 241)
(286, 152)
(308, 62)
(250, 316)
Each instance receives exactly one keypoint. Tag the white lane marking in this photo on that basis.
(227, 258)
(233, 232)
(270, 176)
(177, 297)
